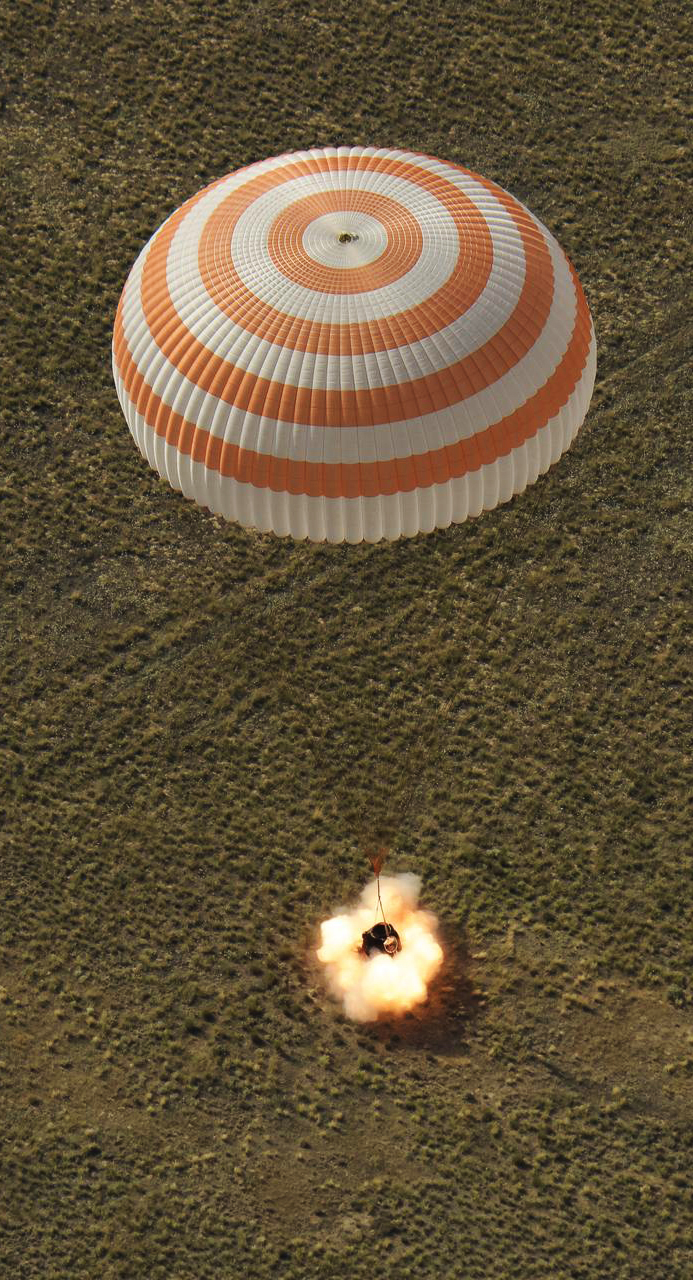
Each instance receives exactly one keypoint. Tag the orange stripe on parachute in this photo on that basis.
(316, 406)
(350, 480)
(285, 243)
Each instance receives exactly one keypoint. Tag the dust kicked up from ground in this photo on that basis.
(382, 984)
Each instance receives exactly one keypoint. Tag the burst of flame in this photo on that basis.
(382, 984)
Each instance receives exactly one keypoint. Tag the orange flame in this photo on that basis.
(382, 984)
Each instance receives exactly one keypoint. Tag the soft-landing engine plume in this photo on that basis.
(382, 984)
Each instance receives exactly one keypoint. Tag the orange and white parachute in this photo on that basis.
(352, 343)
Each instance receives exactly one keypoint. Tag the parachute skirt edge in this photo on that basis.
(366, 519)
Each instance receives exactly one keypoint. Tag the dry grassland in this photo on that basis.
(202, 726)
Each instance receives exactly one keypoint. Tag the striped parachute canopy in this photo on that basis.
(351, 343)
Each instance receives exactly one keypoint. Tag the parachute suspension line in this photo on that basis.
(390, 931)
(380, 902)
(406, 791)
(436, 749)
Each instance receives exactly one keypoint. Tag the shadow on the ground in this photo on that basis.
(444, 1021)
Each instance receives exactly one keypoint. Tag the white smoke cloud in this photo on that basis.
(381, 984)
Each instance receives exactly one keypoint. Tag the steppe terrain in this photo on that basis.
(204, 727)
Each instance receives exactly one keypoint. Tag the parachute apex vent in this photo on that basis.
(351, 344)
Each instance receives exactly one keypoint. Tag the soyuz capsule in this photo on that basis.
(382, 938)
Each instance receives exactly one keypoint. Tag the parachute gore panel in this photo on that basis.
(351, 343)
